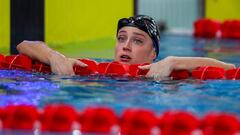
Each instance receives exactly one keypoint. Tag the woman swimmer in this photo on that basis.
(137, 42)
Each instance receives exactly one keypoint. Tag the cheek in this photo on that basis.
(142, 51)
(117, 50)
(142, 54)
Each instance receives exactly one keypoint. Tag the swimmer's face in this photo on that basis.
(134, 46)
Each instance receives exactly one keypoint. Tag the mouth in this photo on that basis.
(125, 58)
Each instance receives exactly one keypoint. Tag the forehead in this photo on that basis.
(133, 30)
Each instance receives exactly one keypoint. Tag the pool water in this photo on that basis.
(119, 93)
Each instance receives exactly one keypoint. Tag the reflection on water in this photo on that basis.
(120, 93)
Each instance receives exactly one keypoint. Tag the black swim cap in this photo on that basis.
(145, 23)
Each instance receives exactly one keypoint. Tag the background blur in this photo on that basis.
(84, 28)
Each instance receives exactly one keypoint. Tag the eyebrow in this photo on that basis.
(122, 31)
(135, 33)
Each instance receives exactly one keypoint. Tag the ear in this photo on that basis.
(153, 54)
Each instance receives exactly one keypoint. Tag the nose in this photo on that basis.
(127, 46)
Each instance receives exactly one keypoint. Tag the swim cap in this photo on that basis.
(145, 23)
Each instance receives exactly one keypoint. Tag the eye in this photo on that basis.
(138, 41)
(121, 39)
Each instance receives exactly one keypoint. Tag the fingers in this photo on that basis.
(156, 76)
(156, 71)
(150, 68)
(151, 74)
(77, 62)
(62, 66)
(63, 70)
(145, 67)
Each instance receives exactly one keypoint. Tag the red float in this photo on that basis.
(89, 70)
(112, 69)
(98, 120)
(208, 72)
(231, 29)
(180, 74)
(41, 67)
(101, 120)
(137, 122)
(115, 69)
(58, 118)
(19, 117)
(206, 28)
(134, 71)
(177, 123)
(219, 124)
(1, 59)
(233, 74)
(17, 62)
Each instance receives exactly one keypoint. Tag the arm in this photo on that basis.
(190, 63)
(163, 68)
(40, 51)
(36, 50)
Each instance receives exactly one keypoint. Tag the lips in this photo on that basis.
(125, 58)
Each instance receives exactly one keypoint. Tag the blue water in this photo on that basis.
(199, 97)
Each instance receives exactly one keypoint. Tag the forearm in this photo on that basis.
(40, 51)
(190, 63)
(36, 50)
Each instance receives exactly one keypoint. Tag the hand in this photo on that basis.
(159, 70)
(62, 65)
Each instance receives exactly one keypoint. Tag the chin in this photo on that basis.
(124, 62)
